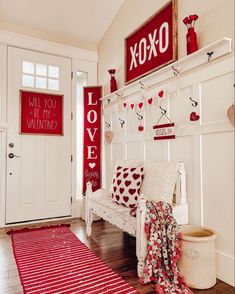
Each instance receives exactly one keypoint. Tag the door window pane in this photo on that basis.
(53, 84)
(28, 67)
(41, 83)
(28, 81)
(81, 82)
(41, 69)
(53, 71)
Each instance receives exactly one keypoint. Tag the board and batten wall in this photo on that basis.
(207, 145)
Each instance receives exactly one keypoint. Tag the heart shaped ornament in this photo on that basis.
(161, 93)
(231, 114)
(92, 165)
(140, 128)
(150, 101)
(108, 136)
(194, 116)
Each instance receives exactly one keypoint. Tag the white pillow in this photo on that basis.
(159, 180)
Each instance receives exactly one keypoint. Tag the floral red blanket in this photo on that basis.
(164, 241)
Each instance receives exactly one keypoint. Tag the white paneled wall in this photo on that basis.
(206, 146)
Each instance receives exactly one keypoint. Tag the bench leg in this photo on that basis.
(141, 241)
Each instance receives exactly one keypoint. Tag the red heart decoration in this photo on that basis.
(140, 105)
(131, 205)
(194, 116)
(138, 184)
(161, 93)
(135, 176)
(132, 191)
(117, 197)
(150, 101)
(121, 190)
(133, 168)
(136, 198)
(125, 169)
(113, 181)
(138, 191)
(140, 128)
(119, 182)
(114, 189)
(118, 174)
(124, 104)
(127, 183)
(132, 106)
(125, 198)
(125, 175)
(119, 167)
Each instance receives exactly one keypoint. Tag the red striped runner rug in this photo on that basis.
(52, 260)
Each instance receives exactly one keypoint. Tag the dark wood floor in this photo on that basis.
(117, 249)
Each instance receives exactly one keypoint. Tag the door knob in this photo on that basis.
(11, 155)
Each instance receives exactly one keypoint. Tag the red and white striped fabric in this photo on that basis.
(53, 261)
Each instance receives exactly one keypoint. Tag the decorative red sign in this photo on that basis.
(41, 113)
(164, 131)
(92, 137)
(153, 45)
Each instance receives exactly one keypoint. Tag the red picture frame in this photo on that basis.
(41, 113)
(152, 45)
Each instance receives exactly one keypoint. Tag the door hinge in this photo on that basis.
(71, 158)
(71, 115)
(71, 199)
(71, 75)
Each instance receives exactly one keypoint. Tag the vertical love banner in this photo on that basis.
(92, 137)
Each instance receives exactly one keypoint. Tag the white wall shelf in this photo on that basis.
(189, 62)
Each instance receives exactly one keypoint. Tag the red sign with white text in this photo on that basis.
(153, 45)
(92, 137)
(41, 113)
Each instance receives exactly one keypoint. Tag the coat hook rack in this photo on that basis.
(140, 117)
(108, 125)
(195, 103)
(209, 55)
(122, 122)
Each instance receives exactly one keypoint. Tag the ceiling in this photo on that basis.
(80, 23)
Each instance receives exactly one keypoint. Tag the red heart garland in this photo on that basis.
(124, 105)
(161, 93)
(150, 101)
(140, 128)
(140, 105)
(132, 106)
(194, 116)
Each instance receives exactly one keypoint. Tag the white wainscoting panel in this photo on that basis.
(206, 145)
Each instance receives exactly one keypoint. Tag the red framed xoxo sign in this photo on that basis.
(153, 45)
(92, 137)
(41, 113)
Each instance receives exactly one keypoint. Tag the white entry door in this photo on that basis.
(38, 166)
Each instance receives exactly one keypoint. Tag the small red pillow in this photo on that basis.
(126, 185)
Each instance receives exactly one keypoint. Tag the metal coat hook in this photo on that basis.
(176, 71)
(108, 125)
(141, 85)
(118, 95)
(195, 103)
(140, 117)
(163, 110)
(108, 100)
(209, 54)
(122, 122)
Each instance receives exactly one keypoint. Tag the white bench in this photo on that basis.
(100, 203)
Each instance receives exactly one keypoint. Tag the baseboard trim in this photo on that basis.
(225, 267)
